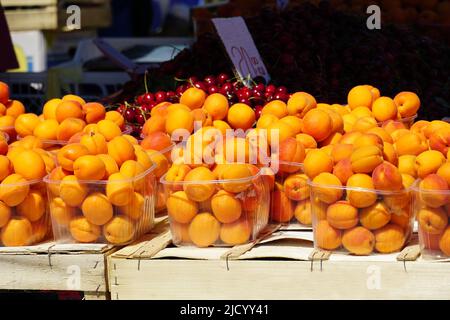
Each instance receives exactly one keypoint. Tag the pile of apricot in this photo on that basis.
(103, 188)
(23, 196)
(10, 109)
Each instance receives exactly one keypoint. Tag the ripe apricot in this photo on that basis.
(389, 239)
(342, 215)
(318, 124)
(276, 107)
(375, 216)
(5, 214)
(69, 127)
(384, 108)
(32, 207)
(204, 189)
(406, 165)
(361, 112)
(387, 177)
(119, 230)
(67, 155)
(327, 187)
(95, 143)
(14, 108)
(4, 93)
(302, 212)
(110, 165)
(282, 208)
(5, 167)
(94, 112)
(161, 162)
(366, 159)
(180, 208)
(341, 152)
(119, 189)
(364, 124)
(410, 143)
(316, 162)
(193, 98)
(121, 150)
(73, 97)
(49, 109)
(109, 129)
(432, 220)
(361, 199)
(84, 231)
(47, 129)
(97, 209)
(434, 191)
(443, 172)
(61, 213)
(308, 141)
(135, 208)
(360, 96)
(291, 151)
(300, 103)
(444, 242)
(240, 173)
(180, 232)
(429, 162)
(115, 117)
(222, 126)
(89, 167)
(358, 240)
(225, 207)
(204, 230)
(156, 141)
(72, 191)
(17, 232)
(327, 237)
(68, 109)
(241, 116)
(154, 124)
(179, 119)
(29, 164)
(295, 123)
(279, 131)
(26, 123)
(237, 232)
(296, 188)
(343, 170)
(408, 103)
(368, 139)
(216, 105)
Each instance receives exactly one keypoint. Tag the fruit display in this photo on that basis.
(24, 217)
(391, 59)
(64, 120)
(224, 206)
(103, 189)
(10, 109)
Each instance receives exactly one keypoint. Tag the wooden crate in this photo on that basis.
(56, 267)
(283, 266)
(94, 13)
(31, 14)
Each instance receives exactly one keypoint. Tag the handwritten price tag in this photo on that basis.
(240, 47)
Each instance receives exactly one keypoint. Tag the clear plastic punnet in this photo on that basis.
(360, 221)
(432, 211)
(223, 212)
(24, 218)
(290, 203)
(115, 211)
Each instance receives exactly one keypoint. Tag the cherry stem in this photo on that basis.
(145, 81)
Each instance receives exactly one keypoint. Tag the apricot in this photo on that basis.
(68, 109)
(94, 112)
(432, 220)
(341, 152)
(5, 167)
(180, 232)
(241, 116)
(17, 232)
(46, 130)
(350, 137)
(180, 208)
(282, 208)
(389, 238)
(444, 172)
(204, 230)
(434, 191)
(142, 157)
(308, 141)
(14, 189)
(193, 97)
(222, 126)
(115, 117)
(5, 214)
(360, 96)
(89, 167)
(154, 124)
(316, 162)
(358, 241)
(14, 108)
(121, 150)
(26, 123)
(363, 198)
(318, 124)
(179, 119)
(387, 177)
(407, 180)
(327, 237)
(84, 231)
(72, 191)
(69, 127)
(97, 209)
(408, 103)
(368, 139)
(30, 165)
(276, 107)
(428, 162)
(384, 108)
(32, 207)
(240, 175)
(300, 103)
(302, 212)
(343, 170)
(3, 143)
(73, 97)
(444, 242)
(291, 150)
(161, 162)
(216, 105)
(349, 121)
(237, 232)
(411, 143)
(49, 109)
(110, 165)
(95, 143)
(225, 207)
(61, 213)
(156, 141)
(177, 173)
(382, 133)
(375, 216)
(67, 155)
(366, 159)
(327, 187)
(364, 124)
(40, 230)
(342, 215)
(119, 189)
(440, 140)
(204, 189)
(135, 208)
(296, 188)
(406, 164)
(361, 112)
(279, 131)
(403, 219)
(109, 129)
(295, 123)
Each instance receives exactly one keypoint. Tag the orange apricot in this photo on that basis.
(389, 238)
(316, 162)
(180, 208)
(358, 240)
(326, 237)
(94, 112)
(428, 162)
(204, 230)
(68, 109)
(97, 209)
(67, 155)
(375, 216)
(89, 167)
(202, 190)
(217, 106)
(193, 97)
(119, 230)
(84, 231)
(121, 150)
(33, 206)
(276, 107)
(318, 124)
(363, 198)
(384, 108)
(72, 191)
(235, 233)
(17, 232)
(29, 164)
(432, 220)
(408, 103)
(327, 187)
(119, 189)
(342, 215)
(360, 96)
(225, 207)
(115, 117)
(61, 213)
(241, 116)
(434, 191)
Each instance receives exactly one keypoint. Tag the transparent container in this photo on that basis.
(290, 203)
(432, 211)
(24, 217)
(217, 212)
(115, 212)
(360, 221)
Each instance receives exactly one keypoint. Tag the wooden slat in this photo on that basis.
(44, 18)
(27, 3)
(256, 279)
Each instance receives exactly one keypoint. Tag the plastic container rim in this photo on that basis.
(378, 191)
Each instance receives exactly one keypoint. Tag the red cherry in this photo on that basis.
(213, 89)
(139, 99)
(140, 118)
(147, 98)
(245, 101)
(282, 89)
(228, 87)
(222, 78)
(201, 85)
(130, 114)
(160, 96)
(268, 96)
(258, 111)
(260, 87)
(121, 109)
(210, 80)
(270, 89)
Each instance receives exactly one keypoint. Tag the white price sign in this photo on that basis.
(240, 47)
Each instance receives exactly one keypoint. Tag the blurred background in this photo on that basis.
(322, 47)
